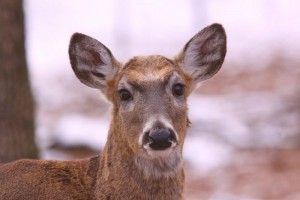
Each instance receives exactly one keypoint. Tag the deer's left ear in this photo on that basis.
(203, 55)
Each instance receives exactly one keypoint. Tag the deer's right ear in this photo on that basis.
(92, 62)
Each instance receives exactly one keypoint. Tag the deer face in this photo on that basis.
(149, 93)
(151, 104)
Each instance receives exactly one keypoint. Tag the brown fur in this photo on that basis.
(125, 169)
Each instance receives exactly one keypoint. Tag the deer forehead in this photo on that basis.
(141, 70)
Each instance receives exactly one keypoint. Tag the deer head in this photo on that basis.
(149, 94)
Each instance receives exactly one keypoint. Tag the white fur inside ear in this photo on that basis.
(91, 61)
(204, 53)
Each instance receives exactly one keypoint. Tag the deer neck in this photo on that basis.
(119, 175)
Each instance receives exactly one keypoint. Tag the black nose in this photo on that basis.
(160, 139)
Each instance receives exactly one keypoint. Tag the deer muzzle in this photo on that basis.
(159, 139)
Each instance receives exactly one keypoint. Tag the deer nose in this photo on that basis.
(160, 139)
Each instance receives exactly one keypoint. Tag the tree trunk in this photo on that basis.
(16, 102)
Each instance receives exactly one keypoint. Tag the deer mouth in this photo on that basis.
(159, 163)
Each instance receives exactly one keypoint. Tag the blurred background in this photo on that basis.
(245, 136)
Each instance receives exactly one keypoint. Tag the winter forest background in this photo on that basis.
(245, 136)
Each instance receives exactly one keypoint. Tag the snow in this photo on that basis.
(78, 129)
(204, 154)
(218, 128)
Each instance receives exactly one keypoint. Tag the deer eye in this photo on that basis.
(124, 95)
(178, 89)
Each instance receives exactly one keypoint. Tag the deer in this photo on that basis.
(142, 158)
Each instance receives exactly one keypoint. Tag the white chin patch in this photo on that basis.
(159, 153)
(159, 164)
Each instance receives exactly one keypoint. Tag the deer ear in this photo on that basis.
(203, 55)
(92, 62)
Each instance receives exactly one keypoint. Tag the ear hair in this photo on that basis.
(92, 62)
(203, 55)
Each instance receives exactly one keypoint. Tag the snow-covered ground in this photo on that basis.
(220, 125)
